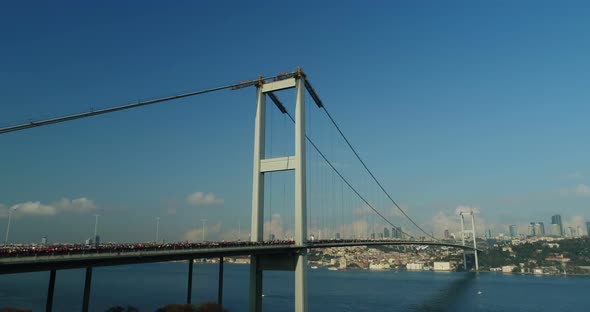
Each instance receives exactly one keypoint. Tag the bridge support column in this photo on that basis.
(301, 282)
(291, 262)
(49, 303)
(255, 301)
(87, 283)
(463, 241)
(189, 288)
(255, 284)
(474, 241)
(300, 197)
(220, 287)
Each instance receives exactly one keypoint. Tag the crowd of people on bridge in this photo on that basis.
(118, 248)
(103, 248)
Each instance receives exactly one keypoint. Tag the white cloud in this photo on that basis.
(64, 205)
(196, 234)
(451, 221)
(363, 210)
(203, 199)
(575, 175)
(358, 229)
(275, 226)
(582, 190)
(34, 209)
(574, 222)
(80, 205)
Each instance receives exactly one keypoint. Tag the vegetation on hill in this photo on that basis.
(539, 254)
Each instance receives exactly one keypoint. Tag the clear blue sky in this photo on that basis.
(451, 104)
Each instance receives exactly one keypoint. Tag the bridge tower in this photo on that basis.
(296, 262)
(472, 231)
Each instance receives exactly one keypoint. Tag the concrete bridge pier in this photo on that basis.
(220, 286)
(50, 289)
(189, 288)
(255, 292)
(87, 283)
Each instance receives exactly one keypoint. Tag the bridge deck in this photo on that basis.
(36, 263)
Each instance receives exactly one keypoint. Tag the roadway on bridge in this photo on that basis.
(114, 255)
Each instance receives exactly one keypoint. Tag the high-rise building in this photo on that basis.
(488, 234)
(540, 229)
(588, 228)
(556, 219)
(386, 232)
(44, 240)
(555, 230)
(513, 231)
(447, 234)
(531, 230)
(579, 231)
(396, 232)
(572, 232)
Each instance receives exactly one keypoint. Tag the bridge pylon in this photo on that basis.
(296, 262)
(473, 233)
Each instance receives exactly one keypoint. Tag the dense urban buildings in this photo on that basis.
(556, 219)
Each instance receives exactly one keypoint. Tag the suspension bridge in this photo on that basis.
(343, 209)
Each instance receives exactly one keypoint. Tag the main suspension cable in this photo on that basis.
(372, 175)
(343, 178)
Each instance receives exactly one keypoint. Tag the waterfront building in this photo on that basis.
(556, 219)
(441, 266)
(415, 266)
(508, 268)
(513, 231)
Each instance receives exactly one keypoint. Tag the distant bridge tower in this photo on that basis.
(290, 262)
(473, 234)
